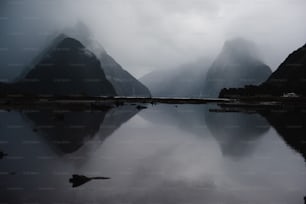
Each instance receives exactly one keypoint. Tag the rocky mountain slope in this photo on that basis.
(66, 67)
(289, 77)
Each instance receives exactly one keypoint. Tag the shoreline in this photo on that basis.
(21, 102)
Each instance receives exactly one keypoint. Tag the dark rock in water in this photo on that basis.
(78, 180)
(139, 107)
(119, 103)
(290, 77)
(65, 68)
(237, 65)
(2, 155)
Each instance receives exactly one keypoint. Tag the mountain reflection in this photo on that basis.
(165, 154)
(291, 126)
(235, 132)
(189, 118)
(67, 131)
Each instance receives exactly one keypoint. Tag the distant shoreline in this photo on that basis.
(92, 103)
(22, 102)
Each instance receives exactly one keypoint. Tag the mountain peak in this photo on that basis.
(240, 49)
(64, 68)
(239, 42)
(239, 60)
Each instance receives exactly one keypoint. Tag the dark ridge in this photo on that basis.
(290, 77)
(65, 68)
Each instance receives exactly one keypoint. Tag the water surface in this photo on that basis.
(163, 154)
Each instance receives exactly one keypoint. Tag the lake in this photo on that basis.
(162, 154)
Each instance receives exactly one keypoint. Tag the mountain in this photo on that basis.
(184, 81)
(289, 77)
(291, 74)
(237, 65)
(124, 83)
(66, 67)
(82, 67)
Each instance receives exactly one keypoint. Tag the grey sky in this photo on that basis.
(147, 35)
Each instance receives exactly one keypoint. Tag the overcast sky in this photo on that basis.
(147, 35)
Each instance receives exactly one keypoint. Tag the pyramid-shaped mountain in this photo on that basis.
(65, 68)
(124, 83)
(237, 65)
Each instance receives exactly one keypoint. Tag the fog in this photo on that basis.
(149, 35)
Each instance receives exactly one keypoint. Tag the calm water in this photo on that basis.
(163, 154)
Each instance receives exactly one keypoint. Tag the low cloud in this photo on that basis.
(147, 35)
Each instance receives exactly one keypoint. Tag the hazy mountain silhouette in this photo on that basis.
(289, 77)
(66, 67)
(237, 65)
(124, 83)
(75, 65)
(184, 81)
